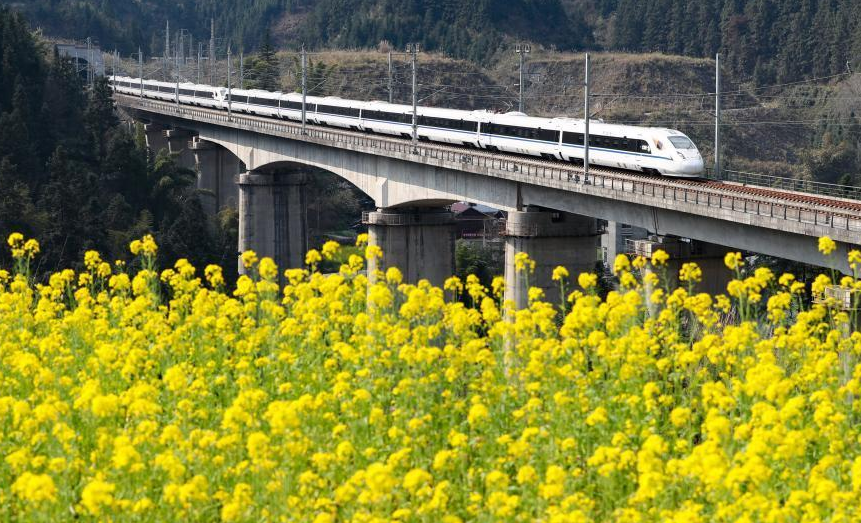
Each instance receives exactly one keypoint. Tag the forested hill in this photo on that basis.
(76, 179)
(764, 40)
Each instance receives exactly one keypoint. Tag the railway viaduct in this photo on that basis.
(262, 165)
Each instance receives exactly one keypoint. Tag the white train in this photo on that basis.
(645, 149)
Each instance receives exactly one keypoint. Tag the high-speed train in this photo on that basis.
(646, 149)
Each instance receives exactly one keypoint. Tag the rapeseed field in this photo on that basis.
(133, 394)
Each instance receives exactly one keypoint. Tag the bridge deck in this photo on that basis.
(787, 211)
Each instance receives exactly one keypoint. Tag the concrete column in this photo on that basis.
(229, 167)
(419, 242)
(272, 216)
(179, 144)
(708, 256)
(615, 241)
(155, 138)
(206, 165)
(217, 169)
(551, 239)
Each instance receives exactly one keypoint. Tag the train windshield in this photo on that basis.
(681, 142)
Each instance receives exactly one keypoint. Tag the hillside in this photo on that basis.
(766, 41)
(774, 131)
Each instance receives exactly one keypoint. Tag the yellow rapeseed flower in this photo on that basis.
(827, 245)
(660, 257)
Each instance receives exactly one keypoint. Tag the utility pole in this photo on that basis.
(212, 51)
(140, 68)
(241, 69)
(522, 50)
(391, 94)
(229, 95)
(90, 69)
(166, 50)
(586, 121)
(413, 49)
(180, 53)
(199, 58)
(717, 117)
(176, 66)
(304, 85)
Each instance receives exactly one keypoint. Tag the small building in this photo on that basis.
(477, 222)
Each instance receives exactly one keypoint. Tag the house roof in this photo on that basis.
(460, 207)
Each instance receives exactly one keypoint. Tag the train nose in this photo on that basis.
(696, 165)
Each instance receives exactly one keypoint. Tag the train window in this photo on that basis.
(572, 138)
(548, 135)
(682, 142)
(266, 102)
(644, 147)
(291, 105)
(396, 117)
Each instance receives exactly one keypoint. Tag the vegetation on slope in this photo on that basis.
(71, 174)
(765, 40)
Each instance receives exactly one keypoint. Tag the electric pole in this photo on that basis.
(199, 58)
(304, 86)
(176, 66)
(241, 69)
(390, 77)
(522, 50)
(413, 49)
(212, 51)
(166, 50)
(140, 68)
(180, 53)
(717, 117)
(586, 121)
(90, 69)
(229, 95)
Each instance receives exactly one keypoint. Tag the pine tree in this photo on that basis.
(265, 70)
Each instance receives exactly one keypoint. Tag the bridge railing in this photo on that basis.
(534, 171)
(787, 184)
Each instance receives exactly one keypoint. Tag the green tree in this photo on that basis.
(265, 70)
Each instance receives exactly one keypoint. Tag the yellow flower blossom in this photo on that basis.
(827, 245)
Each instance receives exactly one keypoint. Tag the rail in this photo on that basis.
(570, 177)
(787, 184)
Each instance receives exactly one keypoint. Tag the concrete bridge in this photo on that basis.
(261, 165)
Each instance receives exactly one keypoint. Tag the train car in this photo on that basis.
(208, 96)
(290, 106)
(520, 134)
(385, 118)
(337, 112)
(448, 126)
(255, 101)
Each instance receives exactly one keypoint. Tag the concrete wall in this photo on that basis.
(217, 169)
(551, 240)
(418, 242)
(272, 217)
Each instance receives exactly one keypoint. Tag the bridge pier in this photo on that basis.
(272, 216)
(708, 256)
(550, 239)
(217, 169)
(419, 242)
(155, 138)
(616, 240)
(178, 144)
